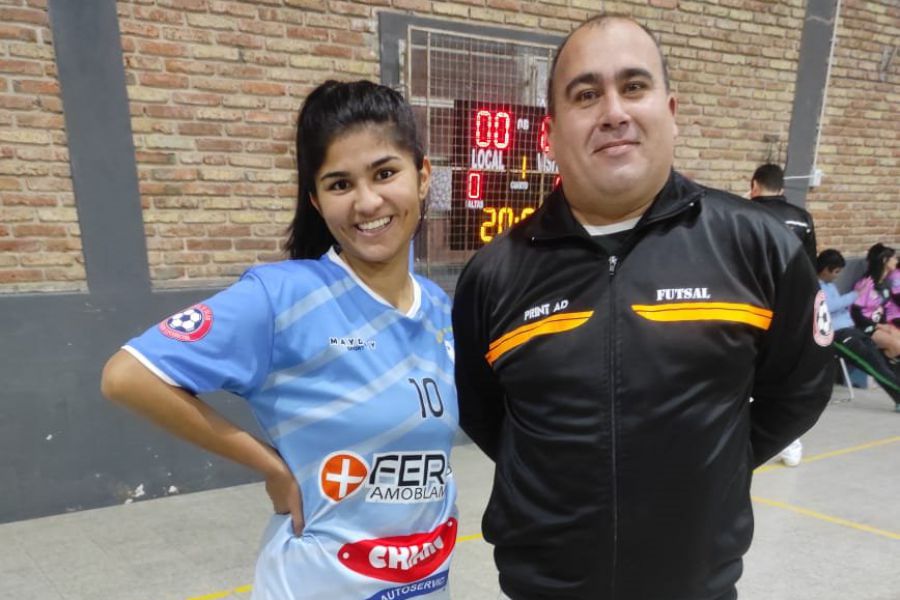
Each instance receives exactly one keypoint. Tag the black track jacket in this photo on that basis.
(797, 220)
(612, 392)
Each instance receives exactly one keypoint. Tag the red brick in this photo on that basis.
(10, 183)
(41, 121)
(11, 32)
(13, 102)
(209, 244)
(255, 244)
(169, 112)
(160, 158)
(200, 129)
(162, 48)
(264, 89)
(20, 275)
(23, 15)
(219, 145)
(148, 30)
(19, 246)
(197, 98)
(333, 51)
(241, 40)
(21, 67)
(36, 86)
(163, 80)
(28, 200)
(39, 231)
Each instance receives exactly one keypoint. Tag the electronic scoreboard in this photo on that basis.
(501, 169)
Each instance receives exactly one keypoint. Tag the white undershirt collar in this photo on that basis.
(611, 228)
(417, 291)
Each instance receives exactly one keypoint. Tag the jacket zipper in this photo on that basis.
(613, 263)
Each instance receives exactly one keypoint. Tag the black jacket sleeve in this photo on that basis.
(862, 322)
(481, 398)
(794, 374)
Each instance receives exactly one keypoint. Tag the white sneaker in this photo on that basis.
(792, 455)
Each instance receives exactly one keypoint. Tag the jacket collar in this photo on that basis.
(555, 219)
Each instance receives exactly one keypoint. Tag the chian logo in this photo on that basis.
(403, 558)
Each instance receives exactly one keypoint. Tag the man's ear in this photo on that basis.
(550, 139)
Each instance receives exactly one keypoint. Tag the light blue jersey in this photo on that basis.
(358, 399)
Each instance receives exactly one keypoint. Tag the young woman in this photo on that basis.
(875, 311)
(346, 360)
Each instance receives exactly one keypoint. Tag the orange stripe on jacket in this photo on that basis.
(553, 324)
(706, 311)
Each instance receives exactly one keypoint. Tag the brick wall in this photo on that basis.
(858, 203)
(214, 86)
(40, 247)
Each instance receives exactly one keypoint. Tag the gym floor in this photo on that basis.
(828, 529)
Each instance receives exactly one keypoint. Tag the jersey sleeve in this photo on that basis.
(794, 373)
(222, 343)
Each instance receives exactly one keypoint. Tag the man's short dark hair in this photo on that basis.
(830, 259)
(595, 21)
(769, 177)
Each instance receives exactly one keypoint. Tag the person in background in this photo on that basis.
(875, 304)
(851, 343)
(767, 189)
(608, 345)
(345, 359)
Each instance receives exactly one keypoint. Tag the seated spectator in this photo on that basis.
(875, 304)
(850, 343)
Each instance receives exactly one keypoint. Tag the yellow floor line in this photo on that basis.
(823, 517)
(244, 589)
(833, 453)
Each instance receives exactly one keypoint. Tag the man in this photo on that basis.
(850, 343)
(767, 189)
(607, 348)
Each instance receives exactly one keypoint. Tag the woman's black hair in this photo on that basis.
(876, 258)
(830, 259)
(333, 109)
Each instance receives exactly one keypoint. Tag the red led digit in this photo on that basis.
(544, 141)
(483, 126)
(501, 130)
(473, 185)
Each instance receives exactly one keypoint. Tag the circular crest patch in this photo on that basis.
(823, 331)
(189, 325)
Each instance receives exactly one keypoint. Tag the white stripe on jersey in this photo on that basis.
(359, 395)
(369, 330)
(312, 301)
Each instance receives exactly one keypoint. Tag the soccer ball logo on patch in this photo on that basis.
(189, 325)
(823, 331)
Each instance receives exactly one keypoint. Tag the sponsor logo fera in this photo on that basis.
(393, 478)
(401, 559)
